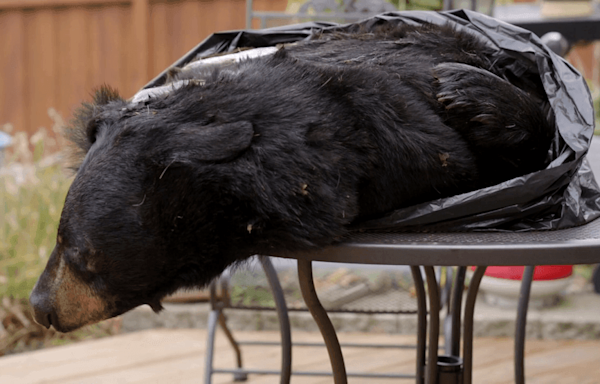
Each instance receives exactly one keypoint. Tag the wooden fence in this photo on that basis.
(54, 52)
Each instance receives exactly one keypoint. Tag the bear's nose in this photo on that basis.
(42, 309)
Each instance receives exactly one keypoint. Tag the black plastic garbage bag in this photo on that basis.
(564, 194)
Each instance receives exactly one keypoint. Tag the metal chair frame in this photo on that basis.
(221, 301)
(330, 10)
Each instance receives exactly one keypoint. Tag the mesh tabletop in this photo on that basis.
(579, 245)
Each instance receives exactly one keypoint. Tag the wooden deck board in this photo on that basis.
(177, 356)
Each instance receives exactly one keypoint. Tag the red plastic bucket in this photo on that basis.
(542, 272)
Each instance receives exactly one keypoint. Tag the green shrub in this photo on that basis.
(33, 186)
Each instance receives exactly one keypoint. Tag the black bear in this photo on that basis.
(280, 152)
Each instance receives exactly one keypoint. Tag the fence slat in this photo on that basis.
(139, 51)
(159, 38)
(40, 66)
(12, 69)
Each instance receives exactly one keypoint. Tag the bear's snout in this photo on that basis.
(43, 312)
(41, 296)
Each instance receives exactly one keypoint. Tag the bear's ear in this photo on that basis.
(214, 142)
(105, 94)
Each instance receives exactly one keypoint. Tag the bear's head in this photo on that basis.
(138, 223)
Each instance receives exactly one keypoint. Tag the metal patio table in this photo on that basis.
(579, 245)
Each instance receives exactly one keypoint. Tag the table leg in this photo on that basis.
(431, 376)
(318, 313)
(284, 321)
(522, 323)
(421, 323)
(468, 325)
(452, 347)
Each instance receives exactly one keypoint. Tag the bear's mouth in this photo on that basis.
(44, 318)
(50, 318)
(63, 300)
(53, 321)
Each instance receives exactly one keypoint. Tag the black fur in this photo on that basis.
(285, 152)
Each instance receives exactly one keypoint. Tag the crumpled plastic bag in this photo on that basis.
(565, 194)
